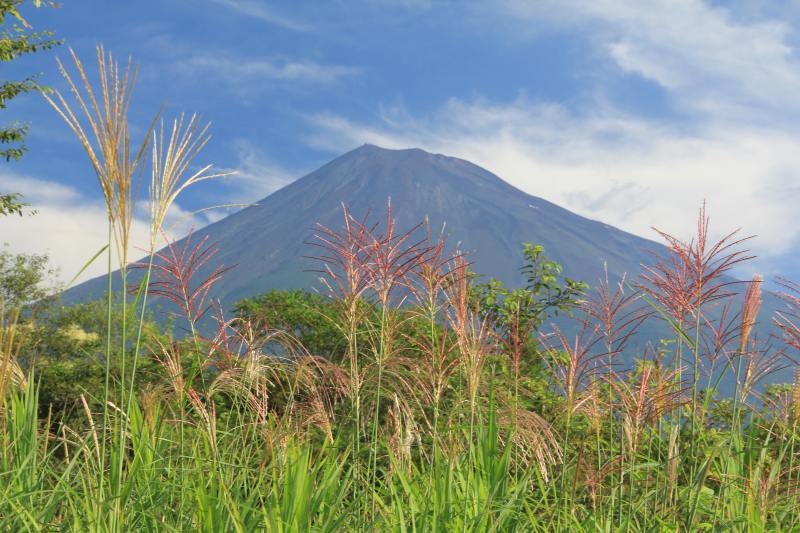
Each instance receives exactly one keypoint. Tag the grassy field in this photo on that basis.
(442, 408)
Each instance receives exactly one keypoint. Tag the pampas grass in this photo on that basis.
(435, 419)
(101, 126)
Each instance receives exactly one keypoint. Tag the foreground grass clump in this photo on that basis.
(409, 398)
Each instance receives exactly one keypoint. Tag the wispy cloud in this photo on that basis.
(261, 11)
(256, 174)
(249, 74)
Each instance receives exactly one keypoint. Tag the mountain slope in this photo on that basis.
(480, 213)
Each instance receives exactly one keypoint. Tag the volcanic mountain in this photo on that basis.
(480, 214)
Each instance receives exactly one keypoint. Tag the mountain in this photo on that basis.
(480, 213)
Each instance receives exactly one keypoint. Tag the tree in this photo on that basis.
(306, 315)
(24, 278)
(66, 349)
(10, 204)
(519, 312)
(17, 40)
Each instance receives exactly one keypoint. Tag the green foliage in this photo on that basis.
(9, 203)
(67, 351)
(258, 443)
(307, 315)
(546, 293)
(518, 313)
(217, 465)
(474, 492)
(17, 40)
(24, 278)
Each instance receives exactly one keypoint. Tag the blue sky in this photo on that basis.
(627, 112)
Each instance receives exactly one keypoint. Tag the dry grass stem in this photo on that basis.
(116, 163)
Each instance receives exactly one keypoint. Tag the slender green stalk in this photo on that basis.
(695, 378)
(565, 450)
(622, 455)
(355, 384)
(374, 444)
(109, 324)
(116, 516)
(138, 341)
(468, 500)
(676, 418)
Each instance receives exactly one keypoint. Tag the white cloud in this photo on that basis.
(735, 77)
(43, 191)
(71, 228)
(264, 12)
(625, 171)
(708, 58)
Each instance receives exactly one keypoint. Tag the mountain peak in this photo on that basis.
(392, 170)
(374, 149)
(400, 154)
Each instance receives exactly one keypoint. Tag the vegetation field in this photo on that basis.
(404, 395)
